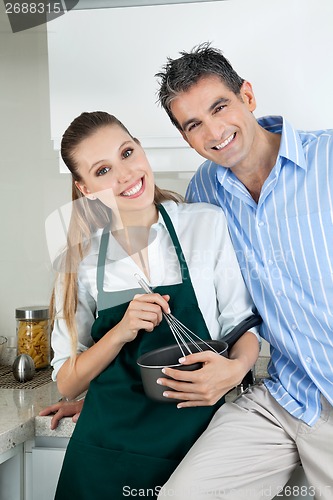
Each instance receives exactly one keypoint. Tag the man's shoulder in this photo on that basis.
(313, 136)
(207, 169)
(203, 185)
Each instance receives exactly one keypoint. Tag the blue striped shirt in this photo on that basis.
(284, 245)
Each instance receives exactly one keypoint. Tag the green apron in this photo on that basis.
(125, 444)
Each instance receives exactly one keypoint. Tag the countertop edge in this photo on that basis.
(20, 420)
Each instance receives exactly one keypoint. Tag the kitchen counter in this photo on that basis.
(19, 409)
(19, 420)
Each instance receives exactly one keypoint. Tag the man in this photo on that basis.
(275, 187)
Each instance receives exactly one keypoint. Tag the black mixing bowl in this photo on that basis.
(152, 362)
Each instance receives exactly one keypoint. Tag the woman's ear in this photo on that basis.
(85, 191)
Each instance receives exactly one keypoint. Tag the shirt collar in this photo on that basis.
(115, 250)
(290, 147)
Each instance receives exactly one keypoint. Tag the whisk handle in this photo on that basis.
(144, 285)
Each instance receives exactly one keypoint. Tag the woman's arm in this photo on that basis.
(144, 312)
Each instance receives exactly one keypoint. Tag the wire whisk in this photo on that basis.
(183, 335)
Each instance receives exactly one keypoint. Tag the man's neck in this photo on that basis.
(254, 173)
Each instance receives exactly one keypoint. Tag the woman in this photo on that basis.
(122, 225)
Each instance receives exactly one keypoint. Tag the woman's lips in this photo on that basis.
(134, 191)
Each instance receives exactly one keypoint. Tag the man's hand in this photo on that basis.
(63, 409)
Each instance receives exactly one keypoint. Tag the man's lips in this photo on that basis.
(134, 189)
(225, 143)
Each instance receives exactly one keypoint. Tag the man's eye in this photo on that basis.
(127, 152)
(192, 126)
(102, 171)
(219, 108)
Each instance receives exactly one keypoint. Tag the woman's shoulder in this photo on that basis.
(194, 209)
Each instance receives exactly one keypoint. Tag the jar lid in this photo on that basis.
(32, 312)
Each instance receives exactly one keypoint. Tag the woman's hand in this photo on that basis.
(218, 375)
(63, 409)
(205, 386)
(144, 312)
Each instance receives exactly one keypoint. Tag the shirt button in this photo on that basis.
(308, 360)
(279, 293)
(261, 223)
(270, 262)
(293, 326)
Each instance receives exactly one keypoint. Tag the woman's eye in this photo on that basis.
(127, 153)
(102, 171)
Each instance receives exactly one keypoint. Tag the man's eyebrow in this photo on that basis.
(221, 100)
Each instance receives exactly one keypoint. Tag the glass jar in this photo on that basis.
(33, 334)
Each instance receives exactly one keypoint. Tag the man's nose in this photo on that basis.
(213, 130)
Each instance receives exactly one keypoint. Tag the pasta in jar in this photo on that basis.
(33, 334)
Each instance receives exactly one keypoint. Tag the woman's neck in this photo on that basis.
(138, 218)
(131, 230)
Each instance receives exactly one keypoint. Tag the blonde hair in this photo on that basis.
(87, 216)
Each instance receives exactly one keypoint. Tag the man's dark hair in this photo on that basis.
(178, 75)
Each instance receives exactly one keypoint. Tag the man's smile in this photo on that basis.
(225, 143)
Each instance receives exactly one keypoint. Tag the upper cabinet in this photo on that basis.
(106, 59)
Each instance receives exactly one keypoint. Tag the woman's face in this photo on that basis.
(114, 168)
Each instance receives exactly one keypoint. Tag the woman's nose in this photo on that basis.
(124, 174)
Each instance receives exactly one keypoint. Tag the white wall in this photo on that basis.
(31, 186)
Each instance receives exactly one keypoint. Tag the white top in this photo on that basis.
(203, 234)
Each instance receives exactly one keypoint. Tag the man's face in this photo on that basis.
(217, 123)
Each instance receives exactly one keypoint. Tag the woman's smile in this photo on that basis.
(134, 190)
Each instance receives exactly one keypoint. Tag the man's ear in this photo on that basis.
(85, 191)
(247, 96)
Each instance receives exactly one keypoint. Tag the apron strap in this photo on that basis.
(104, 245)
(101, 258)
(173, 235)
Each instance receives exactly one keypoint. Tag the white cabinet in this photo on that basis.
(111, 61)
(43, 461)
(11, 474)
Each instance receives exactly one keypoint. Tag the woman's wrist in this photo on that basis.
(117, 336)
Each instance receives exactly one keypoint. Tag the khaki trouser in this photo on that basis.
(249, 451)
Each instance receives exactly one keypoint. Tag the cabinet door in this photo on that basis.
(46, 466)
(11, 474)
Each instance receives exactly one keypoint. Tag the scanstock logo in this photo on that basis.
(24, 15)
